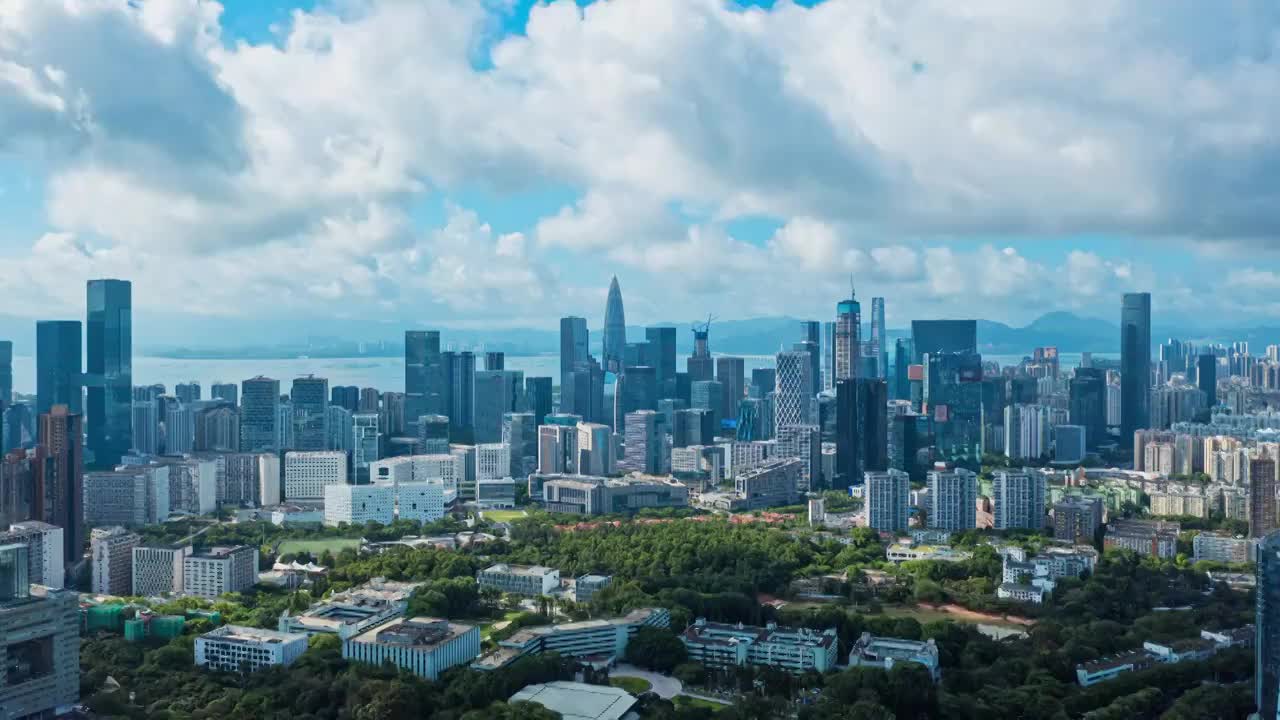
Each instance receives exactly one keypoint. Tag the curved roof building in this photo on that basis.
(615, 329)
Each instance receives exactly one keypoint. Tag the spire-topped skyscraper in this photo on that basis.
(615, 329)
(848, 350)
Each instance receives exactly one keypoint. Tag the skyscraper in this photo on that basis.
(1262, 497)
(699, 365)
(848, 337)
(226, 391)
(662, 348)
(1266, 646)
(862, 428)
(709, 395)
(59, 497)
(109, 369)
(934, 337)
(1018, 500)
(58, 365)
(1206, 377)
(421, 373)
(615, 329)
(310, 397)
(1135, 365)
(459, 370)
(731, 374)
(793, 404)
(537, 392)
(259, 415)
(1088, 404)
(574, 343)
(953, 499)
(879, 341)
(646, 444)
(888, 494)
(6, 373)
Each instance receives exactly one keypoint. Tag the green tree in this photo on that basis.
(656, 649)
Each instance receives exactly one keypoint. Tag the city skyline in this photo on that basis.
(991, 205)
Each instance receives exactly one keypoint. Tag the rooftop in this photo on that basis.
(578, 701)
(1137, 657)
(534, 570)
(709, 633)
(419, 632)
(256, 636)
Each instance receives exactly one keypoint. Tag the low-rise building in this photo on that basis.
(795, 650)
(1021, 592)
(422, 502)
(424, 646)
(590, 495)
(359, 504)
(1158, 538)
(306, 474)
(602, 640)
(495, 493)
(159, 569)
(901, 553)
(220, 570)
(528, 580)
(1092, 673)
(586, 586)
(1179, 650)
(1221, 547)
(349, 613)
(885, 652)
(235, 648)
(773, 483)
(579, 701)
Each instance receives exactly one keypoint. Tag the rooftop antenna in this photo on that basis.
(853, 295)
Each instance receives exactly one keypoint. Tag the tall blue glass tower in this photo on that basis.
(58, 365)
(109, 370)
(615, 329)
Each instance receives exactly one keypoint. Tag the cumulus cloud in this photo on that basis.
(874, 134)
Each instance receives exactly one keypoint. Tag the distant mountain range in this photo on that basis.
(756, 336)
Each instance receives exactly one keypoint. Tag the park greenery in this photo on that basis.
(726, 572)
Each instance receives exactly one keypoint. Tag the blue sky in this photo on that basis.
(383, 163)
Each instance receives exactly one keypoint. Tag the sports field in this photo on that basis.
(316, 547)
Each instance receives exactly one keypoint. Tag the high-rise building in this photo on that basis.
(307, 473)
(646, 443)
(557, 449)
(520, 433)
(146, 428)
(422, 379)
(693, 426)
(615, 329)
(220, 570)
(763, 382)
(662, 348)
(1088, 403)
(699, 365)
(40, 631)
(538, 394)
(793, 404)
(934, 337)
(953, 499)
(879, 340)
(433, 434)
(574, 344)
(1018, 500)
(1077, 519)
(709, 395)
(187, 392)
(848, 337)
(310, 398)
(366, 443)
(888, 494)
(952, 394)
(862, 427)
(903, 358)
(59, 373)
(636, 389)
(109, 369)
(731, 374)
(496, 392)
(805, 443)
(345, 396)
(17, 485)
(458, 400)
(1266, 646)
(217, 428)
(582, 391)
(1206, 378)
(370, 400)
(226, 391)
(595, 449)
(1028, 430)
(495, 360)
(1135, 364)
(111, 552)
(59, 496)
(6, 373)
(259, 414)
(179, 428)
(1262, 497)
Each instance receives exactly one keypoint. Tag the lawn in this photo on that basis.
(503, 516)
(686, 701)
(316, 547)
(633, 685)
(488, 626)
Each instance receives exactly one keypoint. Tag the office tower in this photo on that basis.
(1088, 396)
(583, 391)
(1135, 364)
(538, 393)
(1262, 497)
(422, 380)
(693, 426)
(750, 420)
(903, 358)
(1069, 444)
(888, 494)
(341, 428)
(217, 428)
(58, 365)
(793, 401)
(370, 400)
(1018, 500)
(1266, 683)
(226, 391)
(6, 373)
(433, 434)
(187, 392)
(953, 498)
(953, 396)
(731, 374)
(391, 416)
(709, 395)
(763, 382)
(179, 429)
(458, 399)
(109, 369)
(40, 637)
(495, 360)
(646, 443)
(615, 329)
(557, 449)
(345, 396)
(879, 340)
(366, 441)
(111, 552)
(310, 398)
(595, 449)
(862, 427)
(699, 365)
(146, 428)
(259, 414)
(637, 353)
(934, 337)
(828, 345)
(494, 396)
(848, 337)
(815, 364)
(805, 443)
(662, 349)
(1206, 378)
(574, 343)
(520, 434)
(59, 498)
(636, 389)
(17, 485)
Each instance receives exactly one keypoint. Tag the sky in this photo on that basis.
(262, 166)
